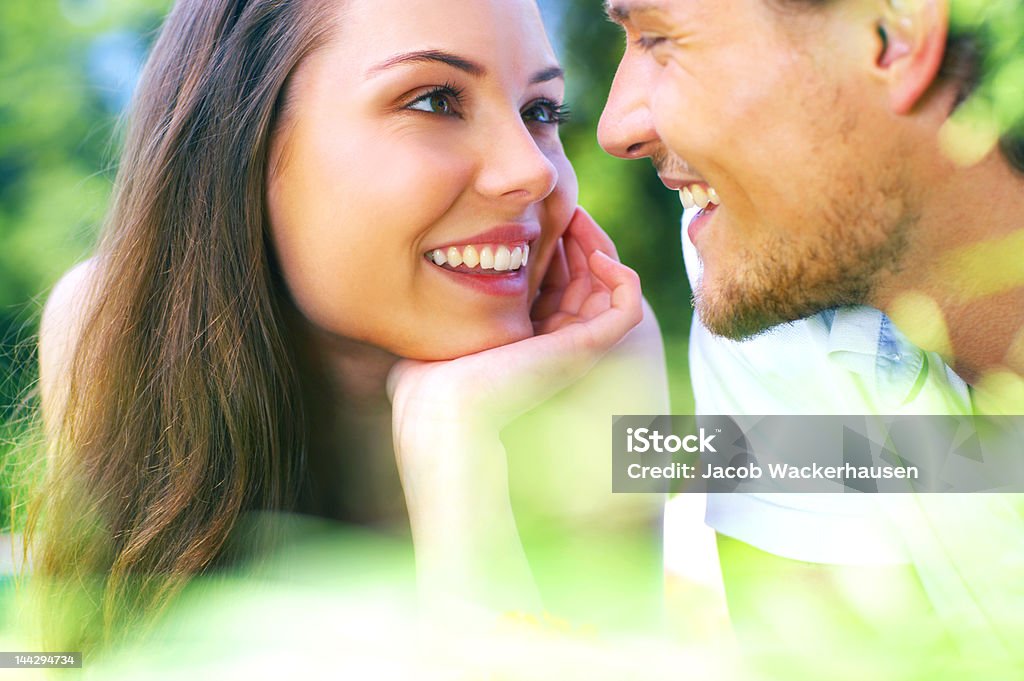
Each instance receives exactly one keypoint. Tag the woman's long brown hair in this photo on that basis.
(184, 409)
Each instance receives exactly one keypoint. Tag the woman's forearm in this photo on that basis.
(468, 551)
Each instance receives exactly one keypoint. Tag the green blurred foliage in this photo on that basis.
(56, 130)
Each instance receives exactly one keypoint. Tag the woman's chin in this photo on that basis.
(461, 343)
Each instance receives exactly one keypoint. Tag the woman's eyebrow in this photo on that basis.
(469, 66)
(544, 75)
(439, 56)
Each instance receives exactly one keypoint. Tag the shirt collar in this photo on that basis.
(864, 341)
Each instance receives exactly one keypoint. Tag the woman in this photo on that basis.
(309, 191)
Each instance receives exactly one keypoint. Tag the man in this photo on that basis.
(823, 131)
(844, 152)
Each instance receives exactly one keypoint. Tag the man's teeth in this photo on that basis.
(500, 258)
(698, 196)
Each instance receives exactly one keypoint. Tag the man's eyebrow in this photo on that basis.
(620, 12)
(439, 56)
(550, 73)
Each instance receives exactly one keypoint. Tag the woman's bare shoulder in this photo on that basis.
(63, 315)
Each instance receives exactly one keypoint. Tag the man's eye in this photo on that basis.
(547, 112)
(443, 101)
(648, 42)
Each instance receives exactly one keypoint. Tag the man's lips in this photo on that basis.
(693, 192)
(677, 183)
(697, 224)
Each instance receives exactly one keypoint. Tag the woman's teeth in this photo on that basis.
(498, 258)
(698, 196)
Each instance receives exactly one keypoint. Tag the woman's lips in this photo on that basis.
(490, 282)
(497, 257)
(494, 269)
(510, 233)
(493, 261)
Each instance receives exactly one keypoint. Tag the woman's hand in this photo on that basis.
(587, 303)
(447, 417)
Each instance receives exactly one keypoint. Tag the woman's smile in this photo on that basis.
(493, 259)
(493, 262)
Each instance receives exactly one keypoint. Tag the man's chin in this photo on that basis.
(741, 320)
(736, 327)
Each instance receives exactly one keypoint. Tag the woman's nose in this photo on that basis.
(514, 166)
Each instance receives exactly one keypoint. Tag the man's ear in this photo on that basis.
(913, 43)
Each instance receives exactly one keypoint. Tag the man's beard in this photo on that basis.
(787, 279)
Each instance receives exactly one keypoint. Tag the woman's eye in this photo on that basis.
(441, 101)
(547, 112)
(433, 103)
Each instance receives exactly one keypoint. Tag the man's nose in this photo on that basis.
(626, 128)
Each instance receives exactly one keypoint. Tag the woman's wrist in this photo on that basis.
(468, 550)
(454, 478)
(476, 559)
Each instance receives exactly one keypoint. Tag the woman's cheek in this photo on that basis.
(565, 197)
(556, 212)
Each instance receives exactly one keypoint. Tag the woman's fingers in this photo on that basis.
(596, 303)
(554, 322)
(564, 355)
(586, 295)
(583, 281)
(614, 313)
(549, 297)
(569, 286)
(579, 268)
(583, 237)
(624, 283)
(590, 236)
(557, 275)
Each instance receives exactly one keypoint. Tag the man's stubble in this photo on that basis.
(861, 237)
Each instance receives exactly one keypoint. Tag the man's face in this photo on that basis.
(777, 112)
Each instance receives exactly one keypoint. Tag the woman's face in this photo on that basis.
(417, 160)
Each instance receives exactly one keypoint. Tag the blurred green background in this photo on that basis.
(67, 69)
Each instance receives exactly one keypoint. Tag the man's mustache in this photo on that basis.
(668, 164)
